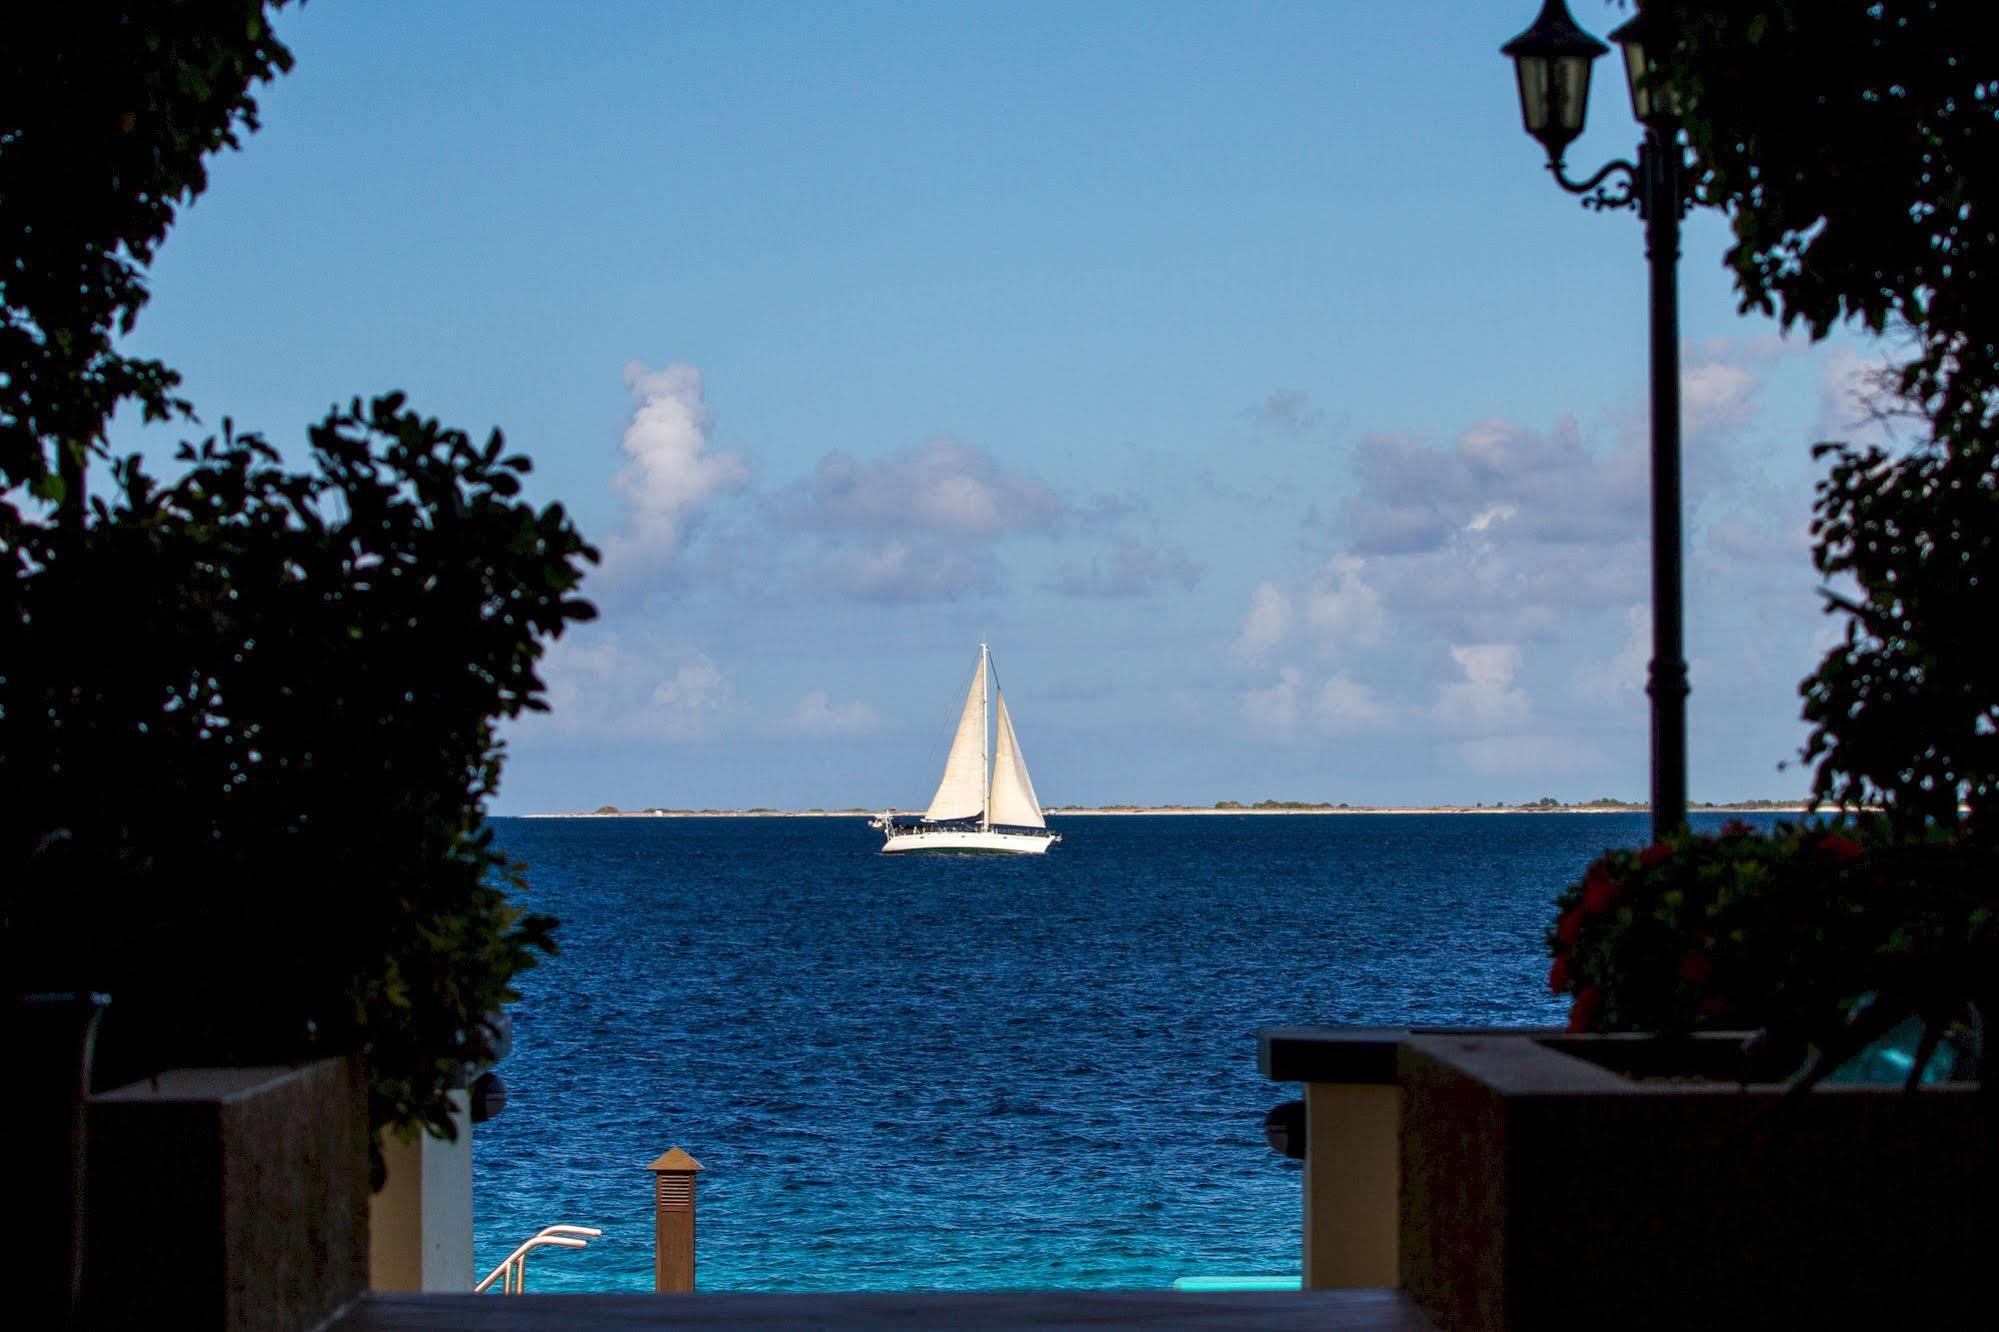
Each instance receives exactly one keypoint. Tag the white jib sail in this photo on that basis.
(1013, 794)
(962, 793)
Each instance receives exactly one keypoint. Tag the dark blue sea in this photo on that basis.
(907, 1072)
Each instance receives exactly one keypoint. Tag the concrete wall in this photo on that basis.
(228, 1198)
(420, 1224)
(1352, 1178)
(1541, 1185)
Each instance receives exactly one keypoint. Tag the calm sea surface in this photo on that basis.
(940, 1072)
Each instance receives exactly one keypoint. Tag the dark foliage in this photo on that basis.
(1905, 710)
(107, 113)
(246, 741)
(1854, 145)
(246, 716)
(1738, 930)
(1855, 149)
(1821, 939)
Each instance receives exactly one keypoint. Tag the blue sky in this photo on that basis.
(1235, 370)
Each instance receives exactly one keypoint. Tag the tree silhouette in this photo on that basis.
(247, 713)
(109, 112)
(1854, 145)
(1855, 149)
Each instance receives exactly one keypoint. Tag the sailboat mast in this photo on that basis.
(985, 730)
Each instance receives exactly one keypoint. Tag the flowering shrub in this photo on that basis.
(1784, 930)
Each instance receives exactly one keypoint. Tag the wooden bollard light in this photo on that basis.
(673, 1221)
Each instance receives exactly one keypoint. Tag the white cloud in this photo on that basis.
(1338, 608)
(897, 571)
(695, 687)
(1341, 607)
(817, 717)
(1763, 349)
(1452, 559)
(1497, 483)
(1273, 712)
(1723, 420)
(1267, 624)
(942, 487)
(1506, 534)
(1621, 680)
(915, 525)
(602, 686)
(1345, 705)
(1487, 699)
(1718, 397)
(670, 471)
(1289, 708)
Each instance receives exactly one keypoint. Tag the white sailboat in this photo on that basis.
(977, 808)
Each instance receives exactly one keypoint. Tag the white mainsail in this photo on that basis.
(1013, 804)
(962, 793)
(977, 808)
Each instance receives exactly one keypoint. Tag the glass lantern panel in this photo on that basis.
(1634, 74)
(1571, 94)
(1646, 102)
(1533, 74)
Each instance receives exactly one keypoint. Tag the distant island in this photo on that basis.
(1545, 805)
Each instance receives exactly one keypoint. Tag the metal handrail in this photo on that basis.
(515, 1269)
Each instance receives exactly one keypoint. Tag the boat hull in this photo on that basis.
(969, 841)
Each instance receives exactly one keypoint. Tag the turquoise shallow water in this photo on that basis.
(977, 1073)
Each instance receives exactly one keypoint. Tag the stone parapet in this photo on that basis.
(228, 1198)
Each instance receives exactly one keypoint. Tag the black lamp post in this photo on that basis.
(1552, 59)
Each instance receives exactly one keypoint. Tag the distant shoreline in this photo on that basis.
(1140, 811)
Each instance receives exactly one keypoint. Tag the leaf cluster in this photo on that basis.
(1854, 145)
(1905, 708)
(108, 113)
(247, 736)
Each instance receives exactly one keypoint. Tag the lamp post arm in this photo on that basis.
(1600, 196)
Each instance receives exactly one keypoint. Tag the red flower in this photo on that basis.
(1656, 854)
(1600, 891)
(1569, 927)
(1736, 828)
(1588, 1008)
(1842, 849)
(1713, 1010)
(1696, 968)
(1558, 976)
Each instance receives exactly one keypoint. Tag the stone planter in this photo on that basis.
(1549, 1178)
(228, 1198)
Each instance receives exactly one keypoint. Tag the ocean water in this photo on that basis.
(909, 1072)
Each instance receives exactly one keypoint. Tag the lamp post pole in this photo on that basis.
(1660, 205)
(1552, 61)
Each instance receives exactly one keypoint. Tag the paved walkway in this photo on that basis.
(1322, 1310)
